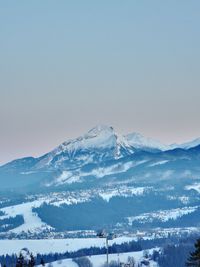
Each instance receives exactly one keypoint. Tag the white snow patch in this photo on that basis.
(32, 222)
(190, 144)
(162, 215)
(139, 141)
(159, 163)
(195, 186)
(68, 177)
(124, 192)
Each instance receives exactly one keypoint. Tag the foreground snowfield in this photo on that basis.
(46, 246)
(99, 260)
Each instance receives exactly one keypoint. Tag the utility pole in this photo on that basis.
(110, 236)
(107, 250)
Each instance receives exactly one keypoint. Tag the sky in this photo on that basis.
(66, 66)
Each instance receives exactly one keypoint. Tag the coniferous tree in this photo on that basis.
(20, 261)
(194, 259)
(31, 261)
(42, 262)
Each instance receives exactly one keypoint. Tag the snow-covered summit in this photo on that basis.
(98, 143)
(190, 144)
(103, 136)
(139, 141)
(99, 138)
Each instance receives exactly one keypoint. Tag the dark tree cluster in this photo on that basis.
(194, 258)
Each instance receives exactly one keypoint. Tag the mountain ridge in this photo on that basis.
(101, 174)
(103, 136)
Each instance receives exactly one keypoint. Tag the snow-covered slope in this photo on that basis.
(190, 144)
(138, 141)
(99, 260)
(99, 153)
(99, 143)
(104, 142)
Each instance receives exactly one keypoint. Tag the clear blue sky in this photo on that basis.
(66, 66)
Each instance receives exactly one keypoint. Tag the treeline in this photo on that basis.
(174, 252)
(175, 255)
(178, 254)
(108, 213)
(10, 260)
(11, 223)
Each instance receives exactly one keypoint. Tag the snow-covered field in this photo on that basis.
(46, 246)
(99, 260)
(31, 220)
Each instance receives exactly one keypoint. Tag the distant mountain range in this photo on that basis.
(91, 155)
(120, 181)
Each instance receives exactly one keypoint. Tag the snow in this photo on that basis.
(139, 141)
(26, 254)
(190, 144)
(63, 263)
(68, 177)
(163, 215)
(103, 137)
(99, 260)
(31, 223)
(184, 199)
(124, 192)
(116, 168)
(159, 163)
(195, 186)
(46, 246)
(99, 138)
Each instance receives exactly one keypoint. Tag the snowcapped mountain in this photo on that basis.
(100, 142)
(190, 144)
(104, 137)
(138, 141)
(101, 152)
(116, 179)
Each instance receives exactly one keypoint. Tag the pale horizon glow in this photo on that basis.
(68, 66)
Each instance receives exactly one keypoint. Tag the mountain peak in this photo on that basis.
(139, 141)
(190, 144)
(100, 130)
(101, 136)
